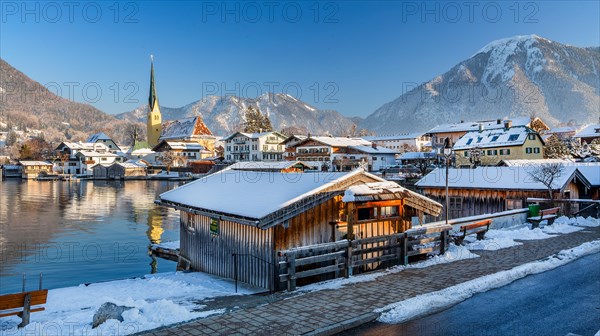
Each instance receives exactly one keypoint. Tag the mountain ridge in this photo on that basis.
(517, 76)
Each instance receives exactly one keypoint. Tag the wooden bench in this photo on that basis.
(20, 304)
(547, 214)
(478, 228)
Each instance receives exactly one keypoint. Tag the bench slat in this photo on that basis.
(33, 310)
(11, 301)
(476, 225)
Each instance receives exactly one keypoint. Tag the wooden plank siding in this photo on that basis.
(214, 253)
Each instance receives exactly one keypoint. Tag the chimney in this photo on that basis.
(507, 124)
(498, 121)
(481, 127)
(374, 145)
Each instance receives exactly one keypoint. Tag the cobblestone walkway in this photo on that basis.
(328, 311)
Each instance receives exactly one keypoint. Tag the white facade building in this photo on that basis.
(265, 146)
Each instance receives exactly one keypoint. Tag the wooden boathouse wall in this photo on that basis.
(213, 253)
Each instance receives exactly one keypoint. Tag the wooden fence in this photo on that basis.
(346, 257)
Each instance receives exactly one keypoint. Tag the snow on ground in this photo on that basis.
(428, 303)
(158, 299)
(172, 245)
(504, 238)
(454, 253)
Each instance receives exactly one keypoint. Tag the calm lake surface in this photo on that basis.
(81, 232)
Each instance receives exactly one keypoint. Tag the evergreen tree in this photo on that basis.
(256, 122)
(555, 148)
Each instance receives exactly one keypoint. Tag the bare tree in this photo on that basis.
(546, 174)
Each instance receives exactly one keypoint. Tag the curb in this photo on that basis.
(344, 325)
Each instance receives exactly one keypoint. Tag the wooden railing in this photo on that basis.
(344, 257)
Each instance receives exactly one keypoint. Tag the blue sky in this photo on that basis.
(352, 56)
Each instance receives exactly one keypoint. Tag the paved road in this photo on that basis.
(558, 302)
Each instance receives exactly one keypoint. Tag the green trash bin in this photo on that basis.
(534, 210)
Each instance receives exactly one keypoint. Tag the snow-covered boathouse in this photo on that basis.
(254, 215)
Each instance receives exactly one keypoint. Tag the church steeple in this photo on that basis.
(154, 123)
(152, 98)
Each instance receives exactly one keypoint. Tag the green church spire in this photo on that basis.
(152, 98)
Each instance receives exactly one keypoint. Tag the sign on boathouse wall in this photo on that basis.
(214, 226)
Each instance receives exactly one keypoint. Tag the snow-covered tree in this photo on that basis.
(556, 148)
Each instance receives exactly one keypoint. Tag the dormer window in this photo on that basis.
(513, 137)
(494, 138)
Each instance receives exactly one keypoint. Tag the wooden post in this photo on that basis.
(443, 242)
(26, 311)
(348, 272)
(351, 220)
(404, 247)
(291, 263)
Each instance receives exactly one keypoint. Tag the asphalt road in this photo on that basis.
(563, 301)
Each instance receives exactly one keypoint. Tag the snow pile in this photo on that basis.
(436, 301)
(504, 238)
(157, 300)
(454, 253)
(578, 221)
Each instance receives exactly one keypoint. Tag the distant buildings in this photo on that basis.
(401, 143)
(343, 154)
(266, 146)
(489, 147)
(455, 131)
(104, 139)
(589, 133)
(32, 169)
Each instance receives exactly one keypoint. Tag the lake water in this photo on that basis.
(81, 232)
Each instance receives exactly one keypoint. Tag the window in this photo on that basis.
(531, 136)
(455, 203)
(466, 154)
(469, 141)
(512, 204)
(479, 139)
(389, 211)
(536, 150)
(505, 152)
(494, 138)
(513, 137)
(528, 150)
(374, 158)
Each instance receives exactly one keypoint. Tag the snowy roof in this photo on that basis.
(96, 154)
(493, 177)
(589, 131)
(98, 136)
(408, 136)
(35, 163)
(523, 162)
(563, 129)
(253, 135)
(591, 173)
(266, 165)
(183, 145)
(514, 136)
(142, 151)
(378, 191)
(134, 164)
(85, 145)
(250, 197)
(338, 141)
(371, 150)
(417, 155)
(184, 128)
(474, 125)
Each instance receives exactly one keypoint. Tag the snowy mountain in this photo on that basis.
(518, 76)
(224, 115)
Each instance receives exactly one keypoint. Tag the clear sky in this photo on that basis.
(352, 56)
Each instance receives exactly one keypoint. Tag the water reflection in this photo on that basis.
(81, 232)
